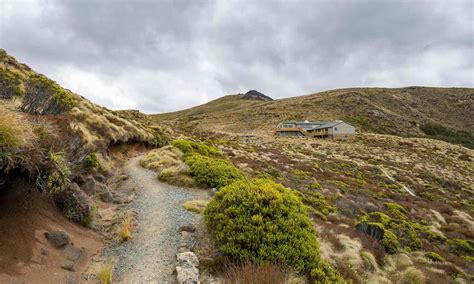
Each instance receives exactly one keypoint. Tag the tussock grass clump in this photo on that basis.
(212, 172)
(167, 162)
(412, 275)
(10, 84)
(434, 257)
(104, 273)
(262, 221)
(16, 134)
(197, 206)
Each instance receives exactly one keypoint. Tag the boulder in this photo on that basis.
(58, 238)
(100, 178)
(187, 228)
(74, 255)
(187, 258)
(106, 196)
(90, 186)
(187, 275)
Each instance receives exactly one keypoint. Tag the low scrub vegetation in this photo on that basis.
(261, 221)
(440, 132)
(187, 147)
(196, 206)
(212, 172)
(251, 273)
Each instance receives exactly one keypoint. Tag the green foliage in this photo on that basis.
(44, 96)
(58, 172)
(91, 163)
(14, 136)
(183, 145)
(390, 242)
(212, 172)
(460, 246)
(262, 221)
(318, 202)
(440, 132)
(384, 227)
(359, 122)
(434, 257)
(10, 84)
(301, 174)
(188, 147)
(324, 273)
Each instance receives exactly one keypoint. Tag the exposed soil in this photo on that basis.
(150, 254)
(26, 256)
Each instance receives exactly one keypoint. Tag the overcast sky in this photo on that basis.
(160, 56)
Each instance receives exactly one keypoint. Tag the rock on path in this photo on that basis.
(150, 256)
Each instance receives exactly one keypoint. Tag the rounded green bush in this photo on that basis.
(262, 221)
(183, 145)
(434, 257)
(390, 242)
(212, 172)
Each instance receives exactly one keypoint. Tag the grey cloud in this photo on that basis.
(165, 55)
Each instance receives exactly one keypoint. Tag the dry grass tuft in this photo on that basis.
(260, 274)
(125, 230)
(411, 275)
(105, 272)
(196, 206)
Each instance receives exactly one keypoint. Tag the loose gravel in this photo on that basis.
(150, 256)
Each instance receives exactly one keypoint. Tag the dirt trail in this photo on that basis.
(150, 255)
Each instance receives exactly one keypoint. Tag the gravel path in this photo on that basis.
(150, 256)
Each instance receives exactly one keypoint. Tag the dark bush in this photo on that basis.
(440, 132)
(262, 221)
(44, 96)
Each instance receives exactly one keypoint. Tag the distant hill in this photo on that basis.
(443, 113)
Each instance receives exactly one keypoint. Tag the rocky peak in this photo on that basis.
(256, 95)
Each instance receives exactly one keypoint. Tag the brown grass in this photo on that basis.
(196, 206)
(259, 274)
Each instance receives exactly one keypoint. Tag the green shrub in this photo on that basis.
(212, 172)
(44, 96)
(440, 132)
(91, 162)
(460, 245)
(183, 145)
(325, 274)
(58, 172)
(390, 242)
(262, 221)
(318, 202)
(434, 257)
(10, 84)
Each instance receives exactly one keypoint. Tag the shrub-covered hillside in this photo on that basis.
(55, 136)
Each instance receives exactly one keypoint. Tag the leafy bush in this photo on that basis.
(390, 242)
(188, 147)
(44, 96)
(460, 245)
(91, 163)
(434, 257)
(183, 145)
(325, 274)
(212, 172)
(262, 221)
(318, 202)
(10, 84)
(58, 173)
(440, 132)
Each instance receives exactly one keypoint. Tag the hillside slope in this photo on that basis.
(403, 111)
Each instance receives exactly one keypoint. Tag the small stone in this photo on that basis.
(106, 196)
(69, 265)
(89, 186)
(58, 238)
(74, 253)
(44, 251)
(100, 178)
(187, 228)
(188, 258)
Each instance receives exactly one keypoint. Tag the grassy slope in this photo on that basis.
(380, 110)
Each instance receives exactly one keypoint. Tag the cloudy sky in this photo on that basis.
(160, 56)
